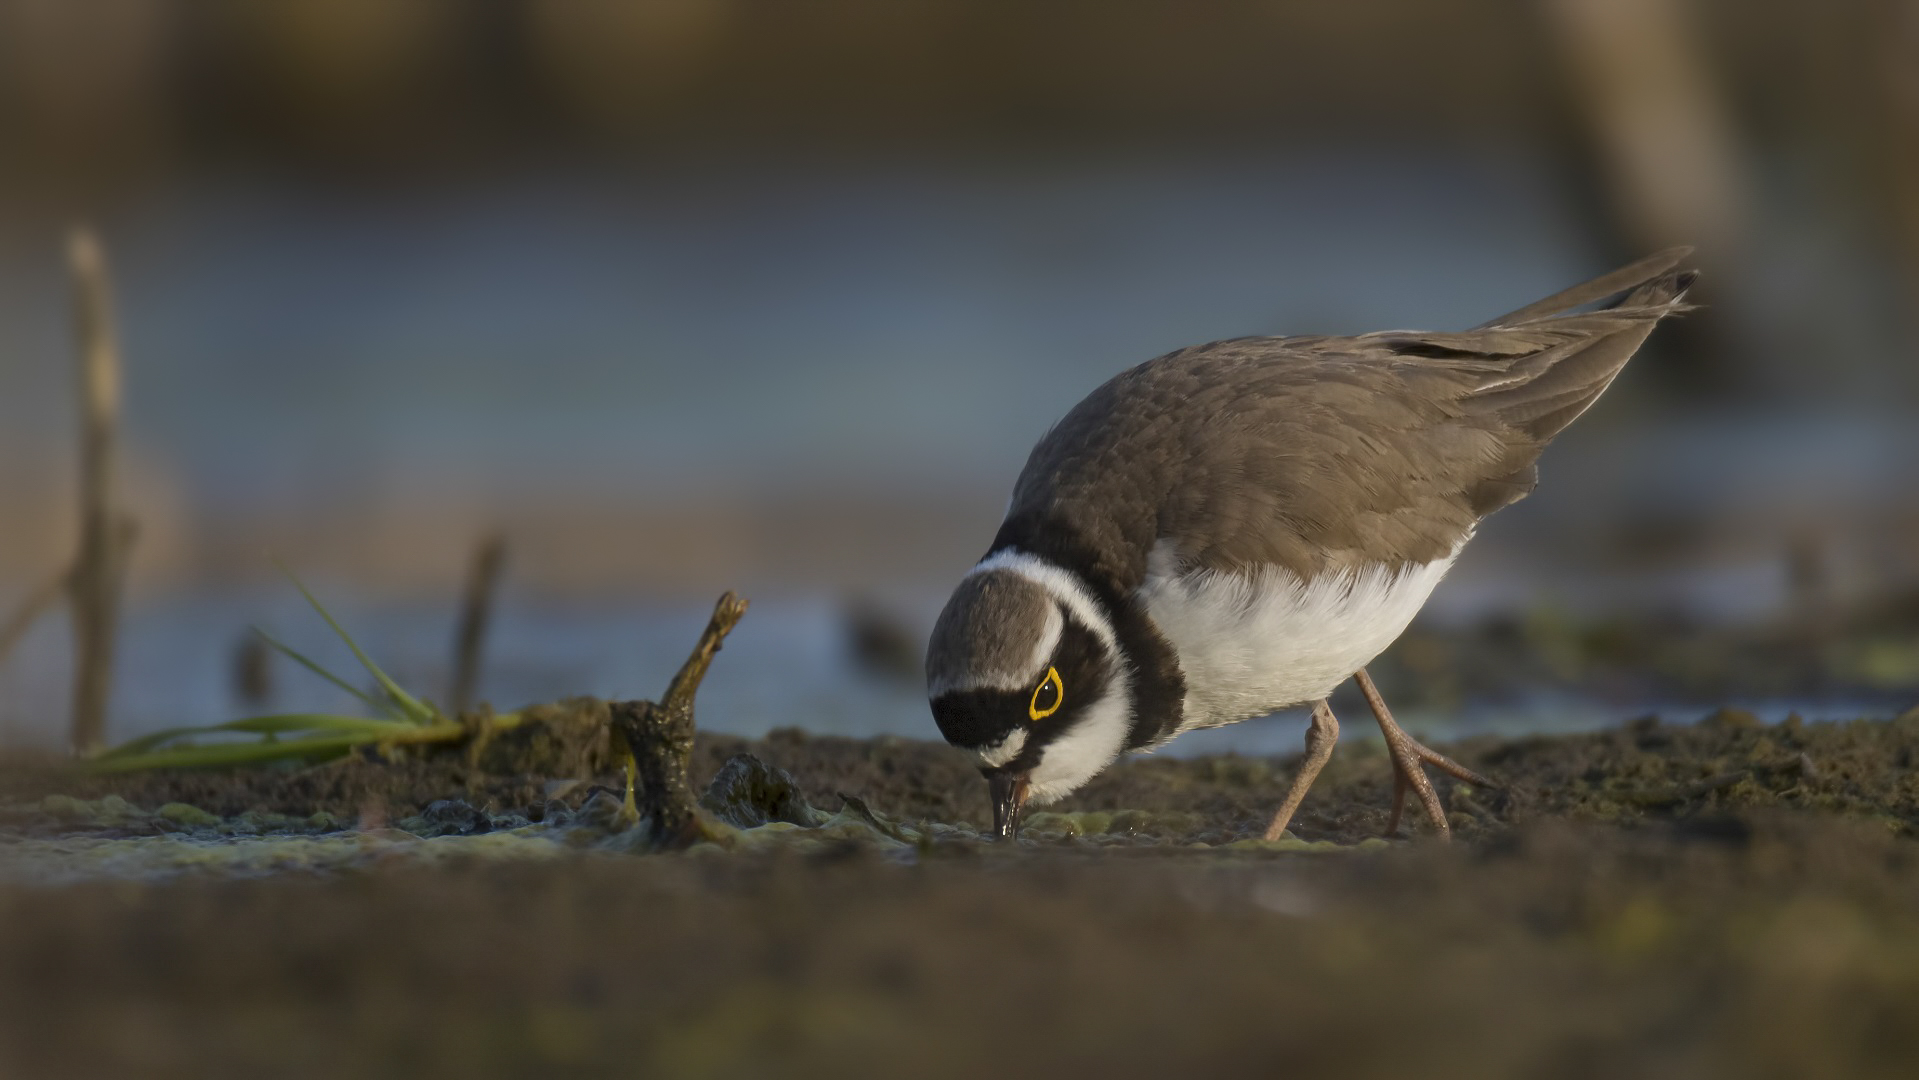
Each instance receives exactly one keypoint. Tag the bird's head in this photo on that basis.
(1025, 673)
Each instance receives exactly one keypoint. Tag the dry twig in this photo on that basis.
(659, 736)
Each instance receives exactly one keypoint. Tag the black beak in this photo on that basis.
(1009, 796)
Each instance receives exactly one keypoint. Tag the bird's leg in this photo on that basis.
(1319, 748)
(1409, 759)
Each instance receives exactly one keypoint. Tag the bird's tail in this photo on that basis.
(1535, 395)
(1652, 282)
(1542, 393)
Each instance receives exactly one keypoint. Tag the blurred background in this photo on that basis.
(696, 294)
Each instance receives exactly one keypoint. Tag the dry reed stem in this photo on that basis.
(105, 536)
(476, 612)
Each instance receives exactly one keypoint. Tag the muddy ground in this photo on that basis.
(1714, 899)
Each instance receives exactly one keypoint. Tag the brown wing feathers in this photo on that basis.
(1323, 453)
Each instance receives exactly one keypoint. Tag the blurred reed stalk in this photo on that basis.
(1670, 164)
(92, 584)
(1674, 171)
(1900, 137)
(106, 534)
(476, 613)
(252, 671)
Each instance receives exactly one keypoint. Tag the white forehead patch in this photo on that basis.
(1005, 750)
(1048, 641)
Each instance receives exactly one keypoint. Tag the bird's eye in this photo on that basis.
(1048, 696)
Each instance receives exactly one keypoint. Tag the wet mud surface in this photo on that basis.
(1714, 899)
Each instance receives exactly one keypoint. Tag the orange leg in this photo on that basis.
(1319, 748)
(1409, 759)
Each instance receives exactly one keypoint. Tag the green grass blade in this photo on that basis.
(239, 753)
(370, 701)
(279, 724)
(416, 710)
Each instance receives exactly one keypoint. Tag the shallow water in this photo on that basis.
(361, 340)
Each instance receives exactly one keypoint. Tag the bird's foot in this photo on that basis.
(1409, 760)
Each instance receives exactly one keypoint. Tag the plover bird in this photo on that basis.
(1237, 528)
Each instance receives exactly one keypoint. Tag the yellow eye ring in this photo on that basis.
(1033, 708)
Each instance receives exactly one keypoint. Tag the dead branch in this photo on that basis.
(726, 615)
(660, 737)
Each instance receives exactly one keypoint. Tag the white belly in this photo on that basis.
(1251, 644)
